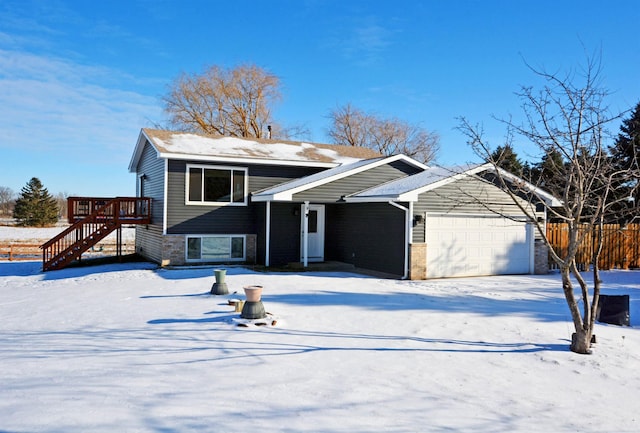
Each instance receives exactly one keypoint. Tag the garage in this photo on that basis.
(473, 245)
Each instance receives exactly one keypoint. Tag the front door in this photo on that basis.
(315, 233)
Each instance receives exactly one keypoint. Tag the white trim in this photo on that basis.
(305, 234)
(268, 234)
(222, 159)
(407, 228)
(221, 260)
(531, 238)
(141, 177)
(519, 219)
(137, 151)
(413, 195)
(228, 168)
(287, 194)
(165, 192)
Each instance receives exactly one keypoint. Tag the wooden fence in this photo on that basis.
(621, 247)
(25, 251)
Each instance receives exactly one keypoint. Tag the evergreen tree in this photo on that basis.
(35, 206)
(626, 150)
(506, 158)
(625, 156)
(550, 173)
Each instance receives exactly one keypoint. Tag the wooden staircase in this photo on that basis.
(92, 219)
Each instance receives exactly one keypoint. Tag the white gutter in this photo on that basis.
(407, 231)
(268, 234)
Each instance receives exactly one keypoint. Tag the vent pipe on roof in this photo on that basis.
(269, 129)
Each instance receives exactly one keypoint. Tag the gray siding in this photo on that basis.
(465, 196)
(207, 219)
(285, 234)
(149, 242)
(334, 191)
(149, 237)
(367, 235)
(153, 184)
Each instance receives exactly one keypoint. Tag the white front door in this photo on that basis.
(315, 233)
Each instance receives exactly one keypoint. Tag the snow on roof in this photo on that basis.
(423, 181)
(318, 178)
(194, 146)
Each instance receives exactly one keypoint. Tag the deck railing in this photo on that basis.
(92, 219)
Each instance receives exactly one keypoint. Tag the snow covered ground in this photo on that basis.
(40, 235)
(133, 348)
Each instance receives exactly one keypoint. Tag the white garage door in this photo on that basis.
(464, 246)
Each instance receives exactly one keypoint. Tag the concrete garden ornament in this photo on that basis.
(253, 307)
(220, 286)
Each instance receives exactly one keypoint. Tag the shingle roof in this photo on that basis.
(285, 190)
(182, 145)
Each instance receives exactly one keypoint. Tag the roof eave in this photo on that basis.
(241, 160)
(137, 151)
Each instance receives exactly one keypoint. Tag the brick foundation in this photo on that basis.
(418, 261)
(541, 257)
(173, 253)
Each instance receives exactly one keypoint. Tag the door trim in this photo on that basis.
(315, 241)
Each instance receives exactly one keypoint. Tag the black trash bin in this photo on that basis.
(614, 309)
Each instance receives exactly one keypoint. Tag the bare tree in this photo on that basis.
(567, 117)
(353, 127)
(235, 102)
(7, 200)
(62, 200)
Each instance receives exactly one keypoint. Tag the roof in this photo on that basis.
(285, 191)
(184, 145)
(410, 187)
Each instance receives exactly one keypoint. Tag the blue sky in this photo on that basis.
(78, 79)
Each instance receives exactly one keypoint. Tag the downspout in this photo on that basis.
(407, 231)
(267, 249)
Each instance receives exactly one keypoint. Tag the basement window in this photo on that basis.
(216, 185)
(216, 248)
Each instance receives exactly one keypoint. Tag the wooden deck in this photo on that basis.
(92, 219)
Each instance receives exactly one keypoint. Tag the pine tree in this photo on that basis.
(506, 158)
(625, 156)
(626, 150)
(550, 173)
(35, 206)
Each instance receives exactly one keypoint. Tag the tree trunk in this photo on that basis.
(581, 339)
(581, 342)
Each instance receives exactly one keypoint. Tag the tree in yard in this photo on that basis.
(549, 173)
(35, 206)
(625, 154)
(7, 199)
(62, 199)
(353, 127)
(234, 102)
(506, 158)
(566, 121)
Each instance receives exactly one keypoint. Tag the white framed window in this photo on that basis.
(216, 248)
(216, 185)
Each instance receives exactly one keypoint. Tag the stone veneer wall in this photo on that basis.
(252, 248)
(541, 257)
(173, 253)
(418, 261)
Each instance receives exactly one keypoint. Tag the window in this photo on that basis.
(216, 248)
(216, 185)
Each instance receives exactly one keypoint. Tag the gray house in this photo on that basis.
(231, 200)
